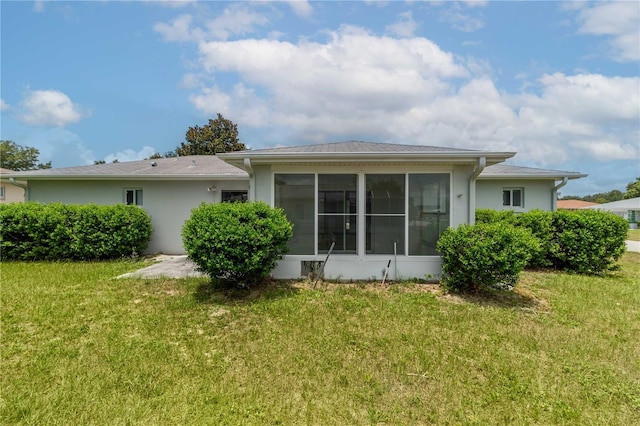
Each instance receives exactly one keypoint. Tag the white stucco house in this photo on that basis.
(372, 202)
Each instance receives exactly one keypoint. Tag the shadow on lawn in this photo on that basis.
(521, 299)
(267, 290)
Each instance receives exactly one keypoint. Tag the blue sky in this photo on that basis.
(558, 82)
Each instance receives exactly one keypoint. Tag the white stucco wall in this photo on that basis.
(168, 202)
(537, 194)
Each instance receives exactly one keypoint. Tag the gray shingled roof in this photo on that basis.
(358, 151)
(187, 167)
(354, 147)
(505, 171)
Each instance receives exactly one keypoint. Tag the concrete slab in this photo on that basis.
(167, 266)
(633, 246)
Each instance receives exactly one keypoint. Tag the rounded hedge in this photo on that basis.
(485, 255)
(236, 243)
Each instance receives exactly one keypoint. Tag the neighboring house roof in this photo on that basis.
(619, 206)
(191, 167)
(574, 204)
(5, 171)
(363, 151)
(505, 171)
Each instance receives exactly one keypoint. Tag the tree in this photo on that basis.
(19, 158)
(633, 189)
(219, 135)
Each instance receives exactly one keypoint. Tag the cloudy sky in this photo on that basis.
(557, 82)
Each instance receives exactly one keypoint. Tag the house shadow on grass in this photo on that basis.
(520, 299)
(209, 293)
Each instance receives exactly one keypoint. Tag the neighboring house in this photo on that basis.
(628, 209)
(10, 191)
(373, 202)
(574, 204)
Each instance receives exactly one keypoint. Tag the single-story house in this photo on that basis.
(372, 202)
(11, 192)
(629, 209)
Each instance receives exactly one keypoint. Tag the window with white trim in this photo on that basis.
(133, 196)
(2, 192)
(513, 197)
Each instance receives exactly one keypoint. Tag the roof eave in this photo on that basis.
(136, 177)
(237, 159)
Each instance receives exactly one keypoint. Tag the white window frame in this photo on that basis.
(511, 191)
(135, 192)
(361, 202)
(2, 192)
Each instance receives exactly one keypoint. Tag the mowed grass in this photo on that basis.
(79, 347)
(633, 235)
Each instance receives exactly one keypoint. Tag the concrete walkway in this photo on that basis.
(178, 266)
(167, 266)
(633, 246)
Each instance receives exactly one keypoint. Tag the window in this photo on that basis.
(429, 197)
(385, 214)
(295, 194)
(337, 213)
(1, 192)
(234, 196)
(133, 197)
(513, 197)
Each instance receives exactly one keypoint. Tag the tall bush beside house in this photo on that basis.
(236, 243)
(34, 231)
(587, 241)
(485, 255)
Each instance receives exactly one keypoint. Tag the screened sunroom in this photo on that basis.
(361, 208)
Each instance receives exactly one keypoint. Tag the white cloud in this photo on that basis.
(237, 19)
(405, 26)
(301, 8)
(3, 105)
(178, 30)
(60, 146)
(131, 155)
(618, 20)
(50, 108)
(455, 15)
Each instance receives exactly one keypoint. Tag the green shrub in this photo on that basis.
(540, 223)
(494, 216)
(484, 255)
(33, 231)
(587, 241)
(236, 243)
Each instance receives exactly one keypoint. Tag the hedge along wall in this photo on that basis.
(34, 231)
(583, 241)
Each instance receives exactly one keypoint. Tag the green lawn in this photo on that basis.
(80, 348)
(634, 235)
